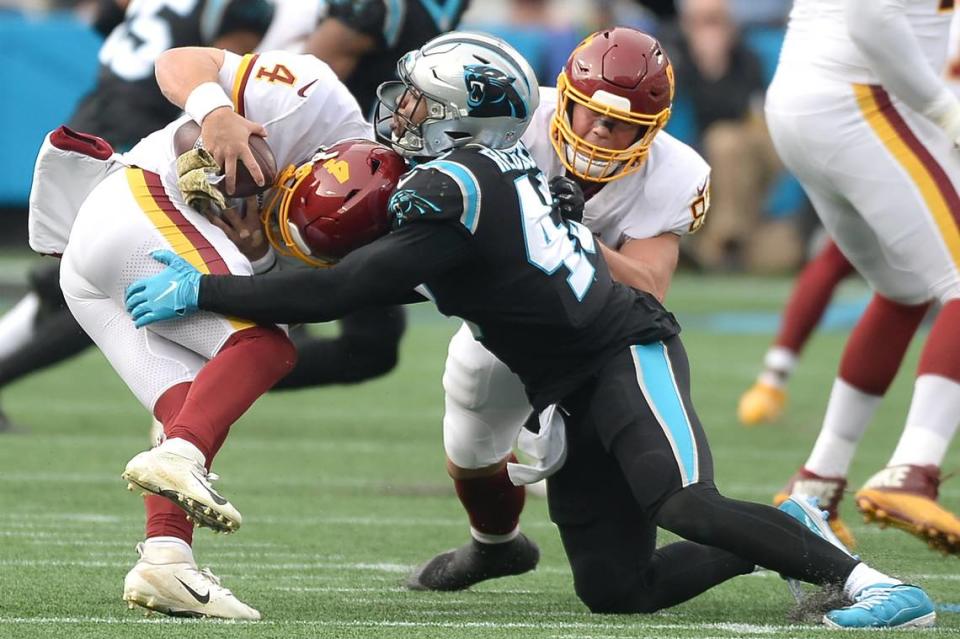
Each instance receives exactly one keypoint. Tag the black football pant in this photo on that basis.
(634, 464)
(367, 347)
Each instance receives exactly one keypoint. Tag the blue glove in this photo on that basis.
(171, 294)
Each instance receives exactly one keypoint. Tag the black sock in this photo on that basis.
(761, 534)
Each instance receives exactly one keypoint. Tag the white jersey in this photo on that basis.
(669, 194)
(818, 35)
(297, 98)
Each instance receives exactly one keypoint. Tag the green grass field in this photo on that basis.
(343, 490)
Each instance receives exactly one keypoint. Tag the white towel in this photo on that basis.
(547, 449)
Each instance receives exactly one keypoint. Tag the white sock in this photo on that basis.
(849, 412)
(931, 422)
(165, 550)
(863, 576)
(182, 447)
(16, 325)
(487, 538)
(778, 365)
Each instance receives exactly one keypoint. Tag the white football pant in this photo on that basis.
(485, 404)
(123, 220)
(883, 180)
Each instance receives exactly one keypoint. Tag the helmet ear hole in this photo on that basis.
(374, 165)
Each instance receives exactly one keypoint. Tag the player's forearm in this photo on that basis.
(638, 274)
(382, 273)
(180, 71)
(291, 297)
(902, 69)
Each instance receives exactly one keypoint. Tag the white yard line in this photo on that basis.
(734, 628)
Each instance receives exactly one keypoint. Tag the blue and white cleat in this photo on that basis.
(885, 606)
(806, 510)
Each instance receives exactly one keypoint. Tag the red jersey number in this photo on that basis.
(280, 74)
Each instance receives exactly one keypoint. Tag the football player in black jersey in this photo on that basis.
(124, 106)
(602, 364)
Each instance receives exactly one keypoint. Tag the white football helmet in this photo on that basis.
(477, 90)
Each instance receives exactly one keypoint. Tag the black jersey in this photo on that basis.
(126, 104)
(398, 26)
(535, 288)
(477, 232)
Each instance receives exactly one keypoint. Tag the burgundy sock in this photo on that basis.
(811, 293)
(878, 343)
(941, 353)
(164, 518)
(493, 503)
(251, 362)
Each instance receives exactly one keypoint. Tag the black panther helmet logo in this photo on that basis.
(491, 94)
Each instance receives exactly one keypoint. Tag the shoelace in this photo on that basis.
(202, 472)
(208, 574)
(873, 596)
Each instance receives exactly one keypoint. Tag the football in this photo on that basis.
(186, 138)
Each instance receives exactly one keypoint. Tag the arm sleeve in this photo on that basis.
(881, 31)
(381, 273)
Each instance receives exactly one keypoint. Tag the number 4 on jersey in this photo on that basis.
(279, 73)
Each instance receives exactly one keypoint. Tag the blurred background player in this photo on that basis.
(765, 401)
(860, 113)
(124, 106)
(812, 292)
(644, 190)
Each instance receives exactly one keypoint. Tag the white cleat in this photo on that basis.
(168, 581)
(174, 471)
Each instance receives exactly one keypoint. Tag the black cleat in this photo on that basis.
(475, 562)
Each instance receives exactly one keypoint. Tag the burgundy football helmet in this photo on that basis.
(334, 203)
(620, 73)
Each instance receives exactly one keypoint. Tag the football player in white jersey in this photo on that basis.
(861, 114)
(199, 376)
(644, 189)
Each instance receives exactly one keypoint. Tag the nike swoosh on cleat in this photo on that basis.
(220, 501)
(303, 90)
(196, 595)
